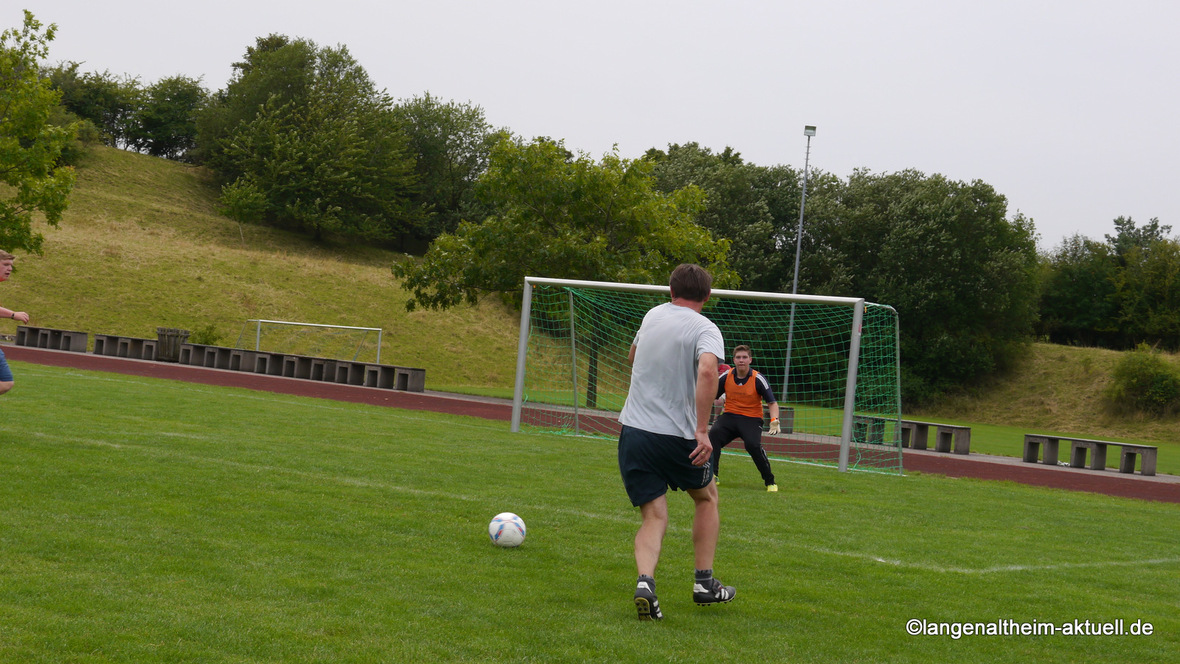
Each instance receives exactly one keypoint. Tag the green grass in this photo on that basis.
(157, 521)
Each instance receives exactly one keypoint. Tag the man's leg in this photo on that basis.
(648, 542)
(720, 435)
(751, 434)
(650, 537)
(754, 447)
(715, 439)
(6, 379)
(706, 527)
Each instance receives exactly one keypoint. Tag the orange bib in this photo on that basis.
(743, 399)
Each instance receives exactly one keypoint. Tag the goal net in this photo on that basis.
(832, 362)
(334, 342)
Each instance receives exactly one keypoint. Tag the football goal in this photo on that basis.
(337, 342)
(832, 361)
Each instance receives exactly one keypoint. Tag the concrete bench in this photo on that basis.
(193, 354)
(385, 376)
(45, 337)
(129, 347)
(305, 367)
(409, 379)
(868, 429)
(1080, 447)
(242, 360)
(948, 437)
(350, 373)
(270, 364)
(297, 366)
(323, 369)
(216, 357)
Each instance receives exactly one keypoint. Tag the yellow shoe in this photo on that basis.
(772, 488)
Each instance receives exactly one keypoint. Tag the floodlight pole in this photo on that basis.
(808, 131)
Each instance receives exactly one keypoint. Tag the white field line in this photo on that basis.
(627, 518)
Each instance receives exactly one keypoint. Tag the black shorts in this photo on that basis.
(650, 463)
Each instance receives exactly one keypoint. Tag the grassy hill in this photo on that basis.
(1059, 389)
(143, 246)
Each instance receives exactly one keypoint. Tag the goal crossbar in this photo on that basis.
(530, 282)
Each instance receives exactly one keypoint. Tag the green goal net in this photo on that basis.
(573, 374)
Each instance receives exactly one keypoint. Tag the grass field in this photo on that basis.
(157, 521)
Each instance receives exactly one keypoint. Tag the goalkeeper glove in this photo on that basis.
(773, 427)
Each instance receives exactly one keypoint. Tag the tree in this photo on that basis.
(165, 123)
(29, 145)
(1079, 303)
(275, 66)
(752, 206)
(961, 275)
(1116, 294)
(325, 155)
(109, 102)
(451, 143)
(1128, 237)
(1148, 294)
(561, 216)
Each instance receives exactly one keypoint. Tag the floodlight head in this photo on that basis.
(809, 130)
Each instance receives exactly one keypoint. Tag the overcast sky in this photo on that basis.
(1068, 108)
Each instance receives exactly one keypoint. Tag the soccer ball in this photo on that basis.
(506, 529)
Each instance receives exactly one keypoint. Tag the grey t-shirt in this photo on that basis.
(662, 397)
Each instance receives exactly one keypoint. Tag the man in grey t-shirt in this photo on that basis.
(665, 434)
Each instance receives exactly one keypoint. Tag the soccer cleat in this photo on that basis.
(714, 594)
(646, 602)
(772, 488)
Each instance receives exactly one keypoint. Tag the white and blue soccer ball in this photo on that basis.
(507, 530)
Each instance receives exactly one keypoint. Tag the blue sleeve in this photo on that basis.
(764, 390)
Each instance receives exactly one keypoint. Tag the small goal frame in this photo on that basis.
(259, 321)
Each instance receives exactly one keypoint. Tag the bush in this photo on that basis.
(88, 136)
(242, 200)
(1145, 383)
(205, 336)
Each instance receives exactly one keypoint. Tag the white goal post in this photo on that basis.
(259, 323)
(582, 322)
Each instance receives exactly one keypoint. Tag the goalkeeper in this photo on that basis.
(744, 390)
